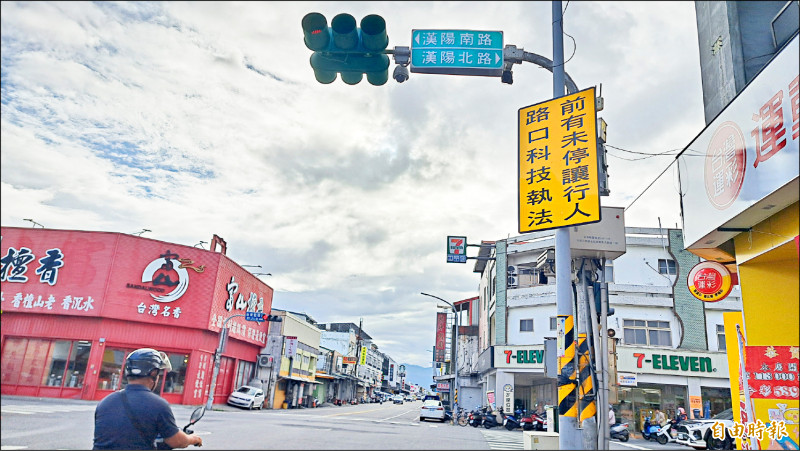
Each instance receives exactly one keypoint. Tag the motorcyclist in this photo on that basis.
(133, 417)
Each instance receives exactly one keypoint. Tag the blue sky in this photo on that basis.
(202, 118)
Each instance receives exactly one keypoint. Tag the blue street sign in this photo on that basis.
(254, 316)
(457, 52)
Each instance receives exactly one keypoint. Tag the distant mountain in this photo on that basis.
(419, 375)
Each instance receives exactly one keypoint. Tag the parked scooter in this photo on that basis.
(512, 422)
(649, 431)
(489, 418)
(475, 418)
(620, 432)
(539, 421)
(196, 415)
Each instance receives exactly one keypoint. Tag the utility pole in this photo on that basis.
(569, 436)
(217, 356)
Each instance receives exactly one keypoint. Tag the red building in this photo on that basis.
(75, 303)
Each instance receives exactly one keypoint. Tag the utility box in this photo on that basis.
(601, 239)
(539, 440)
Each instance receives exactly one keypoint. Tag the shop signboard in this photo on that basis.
(709, 281)
(115, 275)
(772, 371)
(677, 362)
(441, 337)
(748, 152)
(290, 347)
(349, 360)
(456, 249)
(508, 398)
(627, 379)
(519, 357)
(443, 386)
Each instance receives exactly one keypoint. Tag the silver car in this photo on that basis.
(247, 396)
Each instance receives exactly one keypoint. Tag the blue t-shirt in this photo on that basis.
(113, 428)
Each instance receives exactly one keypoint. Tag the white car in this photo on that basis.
(698, 433)
(398, 399)
(431, 409)
(247, 396)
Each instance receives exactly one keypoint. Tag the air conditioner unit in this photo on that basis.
(512, 270)
(512, 281)
(265, 360)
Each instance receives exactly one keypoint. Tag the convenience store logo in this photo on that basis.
(692, 364)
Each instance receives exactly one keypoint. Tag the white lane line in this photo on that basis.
(631, 445)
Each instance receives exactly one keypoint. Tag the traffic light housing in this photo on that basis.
(598, 300)
(347, 50)
(273, 318)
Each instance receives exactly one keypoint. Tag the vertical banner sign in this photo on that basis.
(291, 347)
(508, 398)
(557, 161)
(363, 355)
(456, 249)
(441, 336)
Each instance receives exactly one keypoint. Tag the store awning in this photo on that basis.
(299, 379)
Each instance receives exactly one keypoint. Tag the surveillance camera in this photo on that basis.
(400, 74)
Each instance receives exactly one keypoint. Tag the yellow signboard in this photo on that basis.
(558, 172)
(363, 355)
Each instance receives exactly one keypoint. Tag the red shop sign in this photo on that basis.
(772, 371)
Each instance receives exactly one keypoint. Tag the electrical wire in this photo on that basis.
(651, 184)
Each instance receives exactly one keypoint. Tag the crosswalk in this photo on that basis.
(502, 439)
(44, 408)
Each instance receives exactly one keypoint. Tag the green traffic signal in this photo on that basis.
(347, 50)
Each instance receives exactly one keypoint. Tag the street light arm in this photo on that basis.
(513, 55)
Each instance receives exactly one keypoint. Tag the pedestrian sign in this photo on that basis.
(457, 52)
(557, 161)
(456, 249)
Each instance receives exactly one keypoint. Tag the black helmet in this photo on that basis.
(141, 362)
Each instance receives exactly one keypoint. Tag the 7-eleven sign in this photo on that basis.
(456, 249)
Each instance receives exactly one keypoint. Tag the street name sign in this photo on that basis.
(254, 316)
(457, 52)
(557, 160)
(456, 249)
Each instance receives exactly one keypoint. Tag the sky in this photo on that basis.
(202, 118)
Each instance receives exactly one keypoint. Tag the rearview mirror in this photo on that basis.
(197, 414)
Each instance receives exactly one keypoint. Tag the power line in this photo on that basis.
(651, 184)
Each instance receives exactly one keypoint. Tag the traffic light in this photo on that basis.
(274, 318)
(598, 300)
(347, 50)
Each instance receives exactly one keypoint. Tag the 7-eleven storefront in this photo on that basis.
(75, 303)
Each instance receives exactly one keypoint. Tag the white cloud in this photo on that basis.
(210, 111)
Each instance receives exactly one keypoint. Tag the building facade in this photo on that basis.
(653, 315)
(739, 204)
(75, 303)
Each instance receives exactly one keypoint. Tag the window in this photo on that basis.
(176, 379)
(667, 267)
(111, 368)
(553, 323)
(721, 338)
(526, 325)
(648, 333)
(45, 362)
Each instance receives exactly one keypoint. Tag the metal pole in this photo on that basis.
(569, 436)
(455, 348)
(605, 428)
(217, 357)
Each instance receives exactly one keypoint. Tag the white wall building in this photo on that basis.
(654, 315)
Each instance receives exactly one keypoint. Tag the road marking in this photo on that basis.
(12, 447)
(632, 446)
(502, 439)
(351, 413)
(34, 409)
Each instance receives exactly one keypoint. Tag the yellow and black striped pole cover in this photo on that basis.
(588, 406)
(567, 399)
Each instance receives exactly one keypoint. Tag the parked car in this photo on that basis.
(398, 399)
(432, 409)
(247, 396)
(697, 432)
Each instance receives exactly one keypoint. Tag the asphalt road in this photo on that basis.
(42, 423)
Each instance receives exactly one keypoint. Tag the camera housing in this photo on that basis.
(400, 73)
